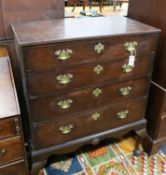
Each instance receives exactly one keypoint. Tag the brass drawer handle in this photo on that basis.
(97, 92)
(122, 114)
(63, 55)
(99, 48)
(64, 79)
(98, 69)
(96, 116)
(17, 126)
(66, 129)
(127, 68)
(65, 104)
(130, 46)
(2, 152)
(124, 91)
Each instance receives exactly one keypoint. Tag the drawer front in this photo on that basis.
(44, 57)
(9, 127)
(86, 74)
(68, 129)
(72, 103)
(18, 168)
(10, 150)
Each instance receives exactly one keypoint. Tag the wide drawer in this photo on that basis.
(67, 129)
(10, 150)
(9, 127)
(72, 103)
(43, 57)
(72, 77)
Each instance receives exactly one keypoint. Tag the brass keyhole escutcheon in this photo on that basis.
(99, 48)
(98, 69)
(96, 116)
(97, 92)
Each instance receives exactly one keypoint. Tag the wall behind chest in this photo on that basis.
(27, 10)
(12, 11)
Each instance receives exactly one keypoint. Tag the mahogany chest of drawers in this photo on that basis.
(83, 80)
(12, 152)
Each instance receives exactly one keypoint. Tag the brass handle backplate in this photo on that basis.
(66, 129)
(99, 48)
(63, 55)
(17, 126)
(97, 92)
(130, 46)
(127, 68)
(65, 104)
(122, 114)
(124, 91)
(2, 152)
(64, 79)
(98, 69)
(96, 116)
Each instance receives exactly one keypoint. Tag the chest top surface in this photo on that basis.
(8, 98)
(49, 31)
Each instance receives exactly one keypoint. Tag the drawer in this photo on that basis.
(10, 150)
(72, 77)
(16, 168)
(72, 103)
(9, 127)
(67, 129)
(44, 57)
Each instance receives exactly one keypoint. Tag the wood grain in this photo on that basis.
(41, 58)
(7, 128)
(45, 83)
(46, 109)
(82, 126)
(17, 168)
(11, 136)
(74, 29)
(36, 43)
(151, 12)
(9, 102)
(12, 153)
(156, 114)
